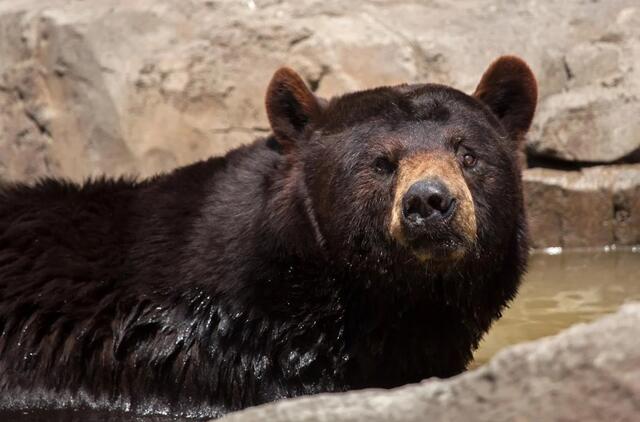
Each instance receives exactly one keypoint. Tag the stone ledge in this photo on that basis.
(593, 207)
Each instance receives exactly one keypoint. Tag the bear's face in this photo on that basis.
(420, 168)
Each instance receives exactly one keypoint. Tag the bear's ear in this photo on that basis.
(291, 106)
(509, 89)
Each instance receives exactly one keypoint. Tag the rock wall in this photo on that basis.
(595, 206)
(142, 86)
(587, 373)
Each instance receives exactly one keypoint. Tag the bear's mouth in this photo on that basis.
(451, 247)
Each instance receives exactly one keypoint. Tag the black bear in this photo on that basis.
(370, 241)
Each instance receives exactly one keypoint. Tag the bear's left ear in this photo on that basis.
(291, 106)
(509, 89)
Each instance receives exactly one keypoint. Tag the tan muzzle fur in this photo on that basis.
(434, 165)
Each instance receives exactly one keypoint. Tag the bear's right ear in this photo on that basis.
(291, 106)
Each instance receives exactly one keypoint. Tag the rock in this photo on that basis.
(586, 373)
(139, 87)
(588, 115)
(596, 206)
(587, 127)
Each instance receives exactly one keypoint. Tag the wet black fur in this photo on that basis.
(258, 275)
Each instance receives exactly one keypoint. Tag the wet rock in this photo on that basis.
(587, 373)
(596, 206)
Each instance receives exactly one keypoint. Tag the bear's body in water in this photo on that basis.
(369, 242)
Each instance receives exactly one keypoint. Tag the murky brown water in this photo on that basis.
(562, 290)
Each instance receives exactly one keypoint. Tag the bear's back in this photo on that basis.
(53, 221)
(68, 278)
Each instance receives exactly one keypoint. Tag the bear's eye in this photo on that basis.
(469, 160)
(383, 165)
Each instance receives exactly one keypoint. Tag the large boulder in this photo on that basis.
(587, 373)
(590, 112)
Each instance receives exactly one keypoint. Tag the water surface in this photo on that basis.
(563, 289)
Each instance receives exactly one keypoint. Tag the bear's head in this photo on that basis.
(419, 174)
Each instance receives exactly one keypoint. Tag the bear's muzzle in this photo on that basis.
(433, 213)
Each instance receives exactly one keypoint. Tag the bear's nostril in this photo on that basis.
(414, 208)
(440, 202)
(436, 201)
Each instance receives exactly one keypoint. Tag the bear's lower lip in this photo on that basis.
(439, 249)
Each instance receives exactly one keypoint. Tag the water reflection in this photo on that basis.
(562, 290)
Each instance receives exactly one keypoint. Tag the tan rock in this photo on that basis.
(112, 87)
(596, 206)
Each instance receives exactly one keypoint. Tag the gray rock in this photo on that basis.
(587, 373)
(596, 206)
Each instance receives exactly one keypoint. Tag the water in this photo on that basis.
(561, 290)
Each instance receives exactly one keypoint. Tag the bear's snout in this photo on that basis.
(433, 212)
(428, 210)
(427, 201)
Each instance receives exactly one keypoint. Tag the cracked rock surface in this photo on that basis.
(586, 373)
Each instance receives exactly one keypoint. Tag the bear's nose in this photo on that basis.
(427, 200)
